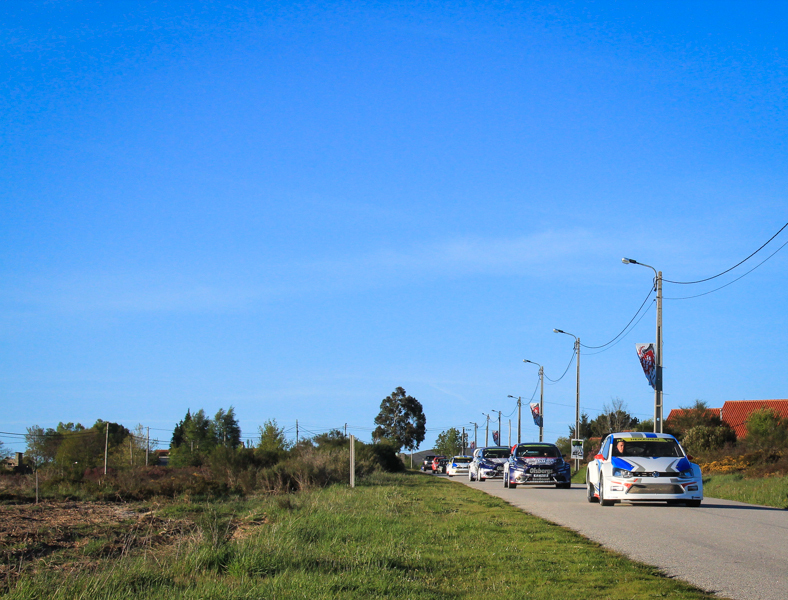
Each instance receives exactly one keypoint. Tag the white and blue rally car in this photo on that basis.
(643, 467)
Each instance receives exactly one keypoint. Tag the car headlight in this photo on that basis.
(621, 473)
(687, 473)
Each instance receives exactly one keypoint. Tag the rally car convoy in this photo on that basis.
(629, 467)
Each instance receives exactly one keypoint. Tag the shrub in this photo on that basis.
(703, 438)
(766, 430)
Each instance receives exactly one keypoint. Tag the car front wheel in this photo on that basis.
(602, 501)
(590, 492)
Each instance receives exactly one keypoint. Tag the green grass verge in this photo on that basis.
(766, 491)
(395, 536)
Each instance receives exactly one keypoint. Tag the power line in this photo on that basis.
(734, 266)
(645, 312)
(730, 282)
(650, 291)
(565, 370)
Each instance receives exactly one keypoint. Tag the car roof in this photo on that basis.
(641, 434)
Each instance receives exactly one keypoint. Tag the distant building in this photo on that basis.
(736, 412)
(12, 463)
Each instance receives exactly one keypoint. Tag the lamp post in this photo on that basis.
(541, 396)
(519, 414)
(499, 426)
(658, 349)
(577, 393)
(487, 430)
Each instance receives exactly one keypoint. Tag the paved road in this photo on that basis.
(732, 549)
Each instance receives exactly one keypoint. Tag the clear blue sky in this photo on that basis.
(295, 208)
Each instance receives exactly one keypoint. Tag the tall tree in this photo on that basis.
(450, 442)
(401, 421)
(227, 430)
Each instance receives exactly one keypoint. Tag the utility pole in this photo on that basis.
(658, 388)
(577, 408)
(106, 445)
(658, 349)
(475, 443)
(541, 402)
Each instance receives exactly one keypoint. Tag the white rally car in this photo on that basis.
(458, 465)
(643, 467)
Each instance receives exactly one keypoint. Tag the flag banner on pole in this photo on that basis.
(495, 438)
(538, 421)
(648, 360)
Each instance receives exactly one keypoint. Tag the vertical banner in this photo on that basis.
(538, 421)
(648, 360)
(495, 438)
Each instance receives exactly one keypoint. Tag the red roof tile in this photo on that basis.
(677, 412)
(735, 412)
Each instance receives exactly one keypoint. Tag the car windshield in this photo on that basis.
(538, 452)
(647, 447)
(496, 453)
(462, 459)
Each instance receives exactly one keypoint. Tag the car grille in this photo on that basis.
(657, 488)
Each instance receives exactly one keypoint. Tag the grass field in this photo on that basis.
(766, 491)
(394, 536)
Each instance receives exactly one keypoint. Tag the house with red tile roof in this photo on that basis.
(736, 412)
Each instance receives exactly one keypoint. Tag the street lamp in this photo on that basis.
(499, 426)
(541, 396)
(577, 394)
(487, 430)
(658, 349)
(519, 414)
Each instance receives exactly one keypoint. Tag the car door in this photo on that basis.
(595, 467)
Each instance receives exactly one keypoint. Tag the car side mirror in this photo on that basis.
(599, 457)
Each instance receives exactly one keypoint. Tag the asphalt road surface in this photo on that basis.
(732, 549)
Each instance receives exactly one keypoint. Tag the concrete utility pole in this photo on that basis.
(106, 445)
(541, 397)
(577, 397)
(519, 412)
(500, 433)
(658, 348)
(352, 462)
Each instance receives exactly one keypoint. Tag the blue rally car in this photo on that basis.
(536, 463)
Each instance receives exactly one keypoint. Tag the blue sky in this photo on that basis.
(295, 208)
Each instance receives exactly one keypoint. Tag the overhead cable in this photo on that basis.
(650, 291)
(733, 267)
(730, 282)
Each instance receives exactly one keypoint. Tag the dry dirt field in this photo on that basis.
(73, 535)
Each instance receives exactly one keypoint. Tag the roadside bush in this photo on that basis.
(705, 438)
(766, 430)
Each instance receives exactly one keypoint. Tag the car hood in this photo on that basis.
(494, 461)
(538, 461)
(666, 464)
